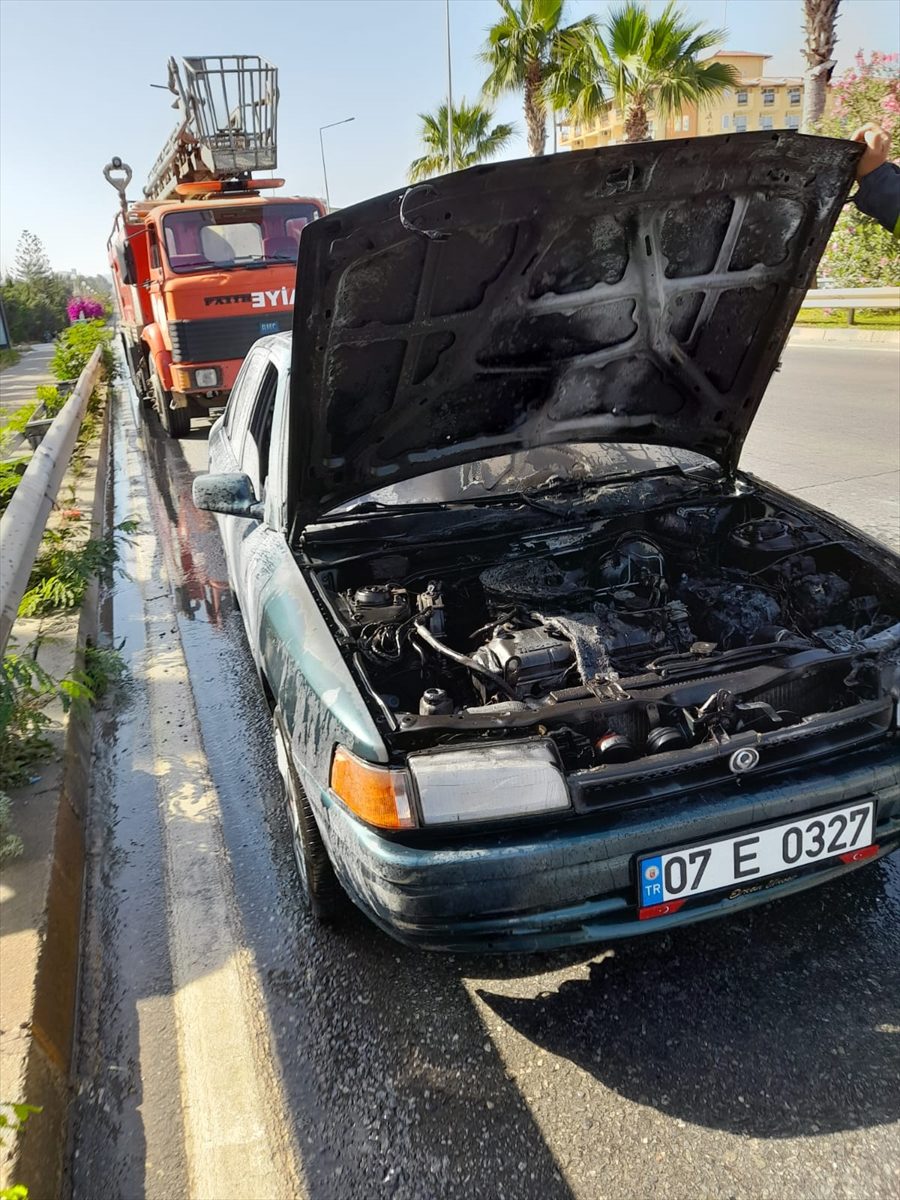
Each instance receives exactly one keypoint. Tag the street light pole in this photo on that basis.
(322, 128)
(450, 157)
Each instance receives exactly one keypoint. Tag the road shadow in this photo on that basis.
(776, 1023)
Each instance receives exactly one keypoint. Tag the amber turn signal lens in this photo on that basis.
(181, 379)
(377, 795)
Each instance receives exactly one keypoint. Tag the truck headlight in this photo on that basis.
(206, 377)
(489, 783)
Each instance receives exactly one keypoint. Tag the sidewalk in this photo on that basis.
(848, 336)
(18, 385)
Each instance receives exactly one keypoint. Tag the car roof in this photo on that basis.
(277, 346)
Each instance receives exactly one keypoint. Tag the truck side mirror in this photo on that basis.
(231, 495)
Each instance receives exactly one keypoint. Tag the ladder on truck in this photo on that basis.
(227, 129)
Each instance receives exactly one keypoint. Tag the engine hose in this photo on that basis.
(464, 661)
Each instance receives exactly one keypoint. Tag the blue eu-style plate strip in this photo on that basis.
(651, 881)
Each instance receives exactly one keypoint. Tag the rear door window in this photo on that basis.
(255, 459)
(241, 401)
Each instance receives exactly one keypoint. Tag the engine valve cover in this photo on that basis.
(530, 659)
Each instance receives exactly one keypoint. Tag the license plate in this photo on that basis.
(729, 862)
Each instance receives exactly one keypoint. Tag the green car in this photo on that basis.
(544, 666)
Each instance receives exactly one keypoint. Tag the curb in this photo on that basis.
(817, 335)
(36, 1158)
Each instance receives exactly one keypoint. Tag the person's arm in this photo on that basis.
(878, 194)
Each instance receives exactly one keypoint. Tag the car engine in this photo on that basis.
(602, 638)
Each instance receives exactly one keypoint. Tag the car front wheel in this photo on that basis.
(320, 885)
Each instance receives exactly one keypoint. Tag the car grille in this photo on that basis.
(621, 787)
(222, 338)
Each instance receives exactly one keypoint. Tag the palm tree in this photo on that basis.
(651, 65)
(529, 49)
(473, 139)
(819, 21)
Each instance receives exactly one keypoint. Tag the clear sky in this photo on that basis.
(75, 76)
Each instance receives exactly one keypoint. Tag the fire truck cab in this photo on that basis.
(205, 263)
(196, 283)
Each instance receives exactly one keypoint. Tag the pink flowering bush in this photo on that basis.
(868, 92)
(861, 253)
(86, 307)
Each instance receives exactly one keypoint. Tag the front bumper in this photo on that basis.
(573, 881)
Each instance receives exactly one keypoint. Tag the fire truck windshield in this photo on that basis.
(200, 239)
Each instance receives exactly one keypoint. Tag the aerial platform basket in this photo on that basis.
(228, 127)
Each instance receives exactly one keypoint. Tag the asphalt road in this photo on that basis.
(756, 1057)
(829, 430)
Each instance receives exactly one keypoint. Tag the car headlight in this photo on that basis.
(489, 783)
(206, 377)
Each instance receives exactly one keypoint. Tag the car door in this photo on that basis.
(226, 448)
(258, 543)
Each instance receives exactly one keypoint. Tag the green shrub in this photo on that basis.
(860, 253)
(16, 424)
(25, 690)
(62, 571)
(10, 477)
(75, 345)
(10, 845)
(104, 669)
(48, 395)
(14, 1120)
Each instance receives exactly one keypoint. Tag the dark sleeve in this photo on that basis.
(878, 195)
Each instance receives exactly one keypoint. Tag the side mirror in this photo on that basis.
(231, 495)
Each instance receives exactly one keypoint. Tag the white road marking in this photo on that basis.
(236, 1132)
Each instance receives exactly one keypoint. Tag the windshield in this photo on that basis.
(541, 469)
(245, 236)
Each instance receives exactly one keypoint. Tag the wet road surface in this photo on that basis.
(754, 1057)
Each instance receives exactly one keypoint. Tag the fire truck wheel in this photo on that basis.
(179, 422)
(175, 421)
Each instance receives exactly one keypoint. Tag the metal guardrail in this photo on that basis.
(851, 298)
(24, 521)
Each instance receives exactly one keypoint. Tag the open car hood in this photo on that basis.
(640, 293)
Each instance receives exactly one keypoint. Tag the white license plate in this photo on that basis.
(730, 862)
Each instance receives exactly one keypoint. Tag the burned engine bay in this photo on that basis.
(647, 634)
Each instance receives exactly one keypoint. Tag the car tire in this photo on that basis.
(323, 893)
(175, 421)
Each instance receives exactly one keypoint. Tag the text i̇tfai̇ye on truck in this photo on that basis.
(205, 263)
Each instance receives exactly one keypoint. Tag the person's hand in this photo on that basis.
(877, 147)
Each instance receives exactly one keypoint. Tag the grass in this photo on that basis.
(864, 318)
(9, 357)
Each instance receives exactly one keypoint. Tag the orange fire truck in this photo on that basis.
(205, 263)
